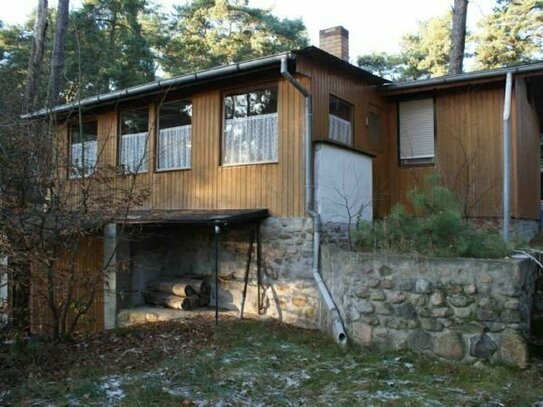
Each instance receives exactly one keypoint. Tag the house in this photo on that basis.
(286, 151)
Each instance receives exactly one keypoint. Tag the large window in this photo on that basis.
(133, 143)
(83, 149)
(416, 128)
(174, 135)
(250, 126)
(340, 126)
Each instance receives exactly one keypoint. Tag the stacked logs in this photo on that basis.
(178, 293)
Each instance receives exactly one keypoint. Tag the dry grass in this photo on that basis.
(246, 363)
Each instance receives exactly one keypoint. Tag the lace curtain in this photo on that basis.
(340, 130)
(174, 148)
(134, 152)
(84, 157)
(251, 139)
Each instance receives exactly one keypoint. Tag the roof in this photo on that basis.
(491, 74)
(220, 72)
(195, 216)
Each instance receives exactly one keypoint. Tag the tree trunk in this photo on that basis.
(458, 37)
(57, 62)
(36, 58)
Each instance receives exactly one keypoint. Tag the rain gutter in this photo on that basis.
(338, 329)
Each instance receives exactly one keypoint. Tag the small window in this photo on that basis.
(374, 129)
(340, 126)
(83, 149)
(416, 128)
(174, 135)
(133, 143)
(250, 127)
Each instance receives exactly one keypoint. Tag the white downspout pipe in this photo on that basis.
(340, 335)
(507, 156)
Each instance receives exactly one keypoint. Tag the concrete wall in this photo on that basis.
(289, 291)
(343, 184)
(458, 309)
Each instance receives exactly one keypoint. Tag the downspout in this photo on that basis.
(507, 156)
(335, 319)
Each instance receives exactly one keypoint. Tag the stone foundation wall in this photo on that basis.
(289, 291)
(524, 229)
(458, 309)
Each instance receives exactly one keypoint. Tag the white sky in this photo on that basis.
(374, 25)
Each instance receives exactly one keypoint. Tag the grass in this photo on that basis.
(255, 363)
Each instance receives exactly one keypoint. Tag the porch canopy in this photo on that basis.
(195, 216)
(217, 219)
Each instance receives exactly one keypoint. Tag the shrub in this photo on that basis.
(436, 228)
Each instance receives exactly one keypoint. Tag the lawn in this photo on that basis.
(245, 363)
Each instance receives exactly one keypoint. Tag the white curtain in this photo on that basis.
(340, 130)
(134, 152)
(174, 147)
(251, 139)
(84, 157)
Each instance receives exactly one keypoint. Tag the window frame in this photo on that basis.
(376, 145)
(240, 90)
(120, 165)
(71, 126)
(416, 162)
(157, 136)
(351, 120)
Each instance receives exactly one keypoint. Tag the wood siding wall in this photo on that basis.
(364, 98)
(88, 261)
(469, 123)
(210, 185)
(527, 194)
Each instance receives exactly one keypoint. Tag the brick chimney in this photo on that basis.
(335, 41)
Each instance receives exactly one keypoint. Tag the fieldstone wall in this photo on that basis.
(457, 309)
(289, 291)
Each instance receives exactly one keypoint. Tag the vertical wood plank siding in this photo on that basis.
(469, 151)
(326, 81)
(527, 142)
(208, 184)
(87, 261)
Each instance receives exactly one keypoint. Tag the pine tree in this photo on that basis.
(458, 36)
(208, 33)
(513, 33)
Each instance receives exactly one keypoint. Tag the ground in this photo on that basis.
(251, 363)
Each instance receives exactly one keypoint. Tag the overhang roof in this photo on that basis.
(535, 68)
(195, 216)
(217, 73)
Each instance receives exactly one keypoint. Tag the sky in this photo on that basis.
(374, 25)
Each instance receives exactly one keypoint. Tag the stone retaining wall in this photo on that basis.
(457, 309)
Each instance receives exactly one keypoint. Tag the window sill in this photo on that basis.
(163, 170)
(246, 164)
(417, 163)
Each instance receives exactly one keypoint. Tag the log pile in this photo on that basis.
(178, 293)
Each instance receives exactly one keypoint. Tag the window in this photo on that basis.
(83, 149)
(250, 127)
(416, 128)
(340, 126)
(133, 143)
(174, 135)
(374, 129)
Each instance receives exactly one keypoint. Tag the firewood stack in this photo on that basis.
(178, 293)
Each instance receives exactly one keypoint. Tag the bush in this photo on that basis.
(436, 228)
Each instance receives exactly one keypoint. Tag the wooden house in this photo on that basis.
(285, 151)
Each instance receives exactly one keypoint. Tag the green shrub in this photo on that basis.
(436, 228)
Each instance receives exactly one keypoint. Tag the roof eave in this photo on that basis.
(460, 79)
